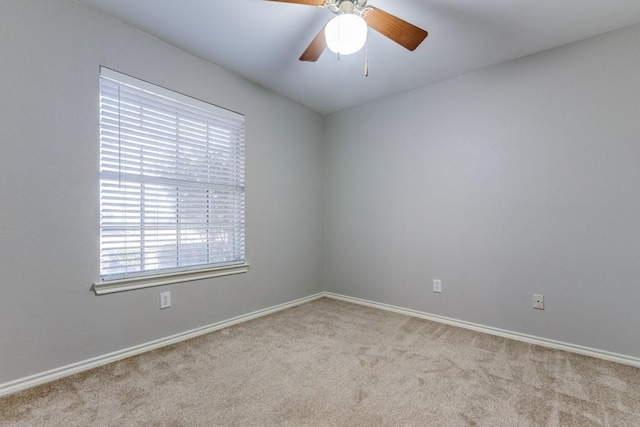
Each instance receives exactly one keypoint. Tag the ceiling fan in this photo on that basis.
(347, 32)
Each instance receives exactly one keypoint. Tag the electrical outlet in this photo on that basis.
(538, 301)
(165, 299)
(437, 285)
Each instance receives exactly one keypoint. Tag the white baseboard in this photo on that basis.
(74, 368)
(54, 374)
(559, 345)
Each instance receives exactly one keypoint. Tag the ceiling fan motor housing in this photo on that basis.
(346, 6)
(349, 7)
(342, 7)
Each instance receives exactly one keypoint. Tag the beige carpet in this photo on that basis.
(330, 363)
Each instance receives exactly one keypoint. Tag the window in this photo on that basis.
(171, 186)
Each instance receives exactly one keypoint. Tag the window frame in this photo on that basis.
(115, 282)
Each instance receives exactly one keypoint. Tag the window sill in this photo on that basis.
(102, 288)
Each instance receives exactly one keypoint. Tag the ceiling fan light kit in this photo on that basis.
(347, 33)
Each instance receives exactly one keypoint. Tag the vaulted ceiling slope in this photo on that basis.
(262, 40)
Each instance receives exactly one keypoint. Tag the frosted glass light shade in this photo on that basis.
(346, 34)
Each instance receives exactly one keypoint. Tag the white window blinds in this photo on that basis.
(171, 181)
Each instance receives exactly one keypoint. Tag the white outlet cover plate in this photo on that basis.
(437, 285)
(165, 299)
(538, 301)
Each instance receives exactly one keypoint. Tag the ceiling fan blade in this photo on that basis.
(315, 49)
(401, 32)
(305, 2)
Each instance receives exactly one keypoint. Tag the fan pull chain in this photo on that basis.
(366, 58)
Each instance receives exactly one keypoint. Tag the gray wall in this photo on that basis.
(51, 51)
(522, 178)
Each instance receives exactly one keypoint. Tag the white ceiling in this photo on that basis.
(262, 40)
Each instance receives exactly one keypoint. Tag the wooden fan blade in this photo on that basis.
(305, 2)
(401, 32)
(315, 49)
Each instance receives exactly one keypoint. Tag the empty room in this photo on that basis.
(320, 213)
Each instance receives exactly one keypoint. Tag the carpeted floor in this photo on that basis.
(331, 363)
